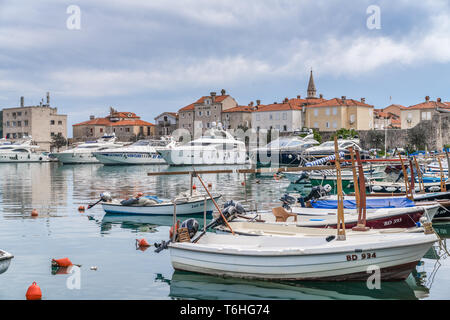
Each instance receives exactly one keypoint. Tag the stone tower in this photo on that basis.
(311, 87)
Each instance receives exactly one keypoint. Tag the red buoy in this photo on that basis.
(243, 183)
(34, 292)
(194, 187)
(34, 213)
(209, 185)
(81, 208)
(64, 262)
(142, 243)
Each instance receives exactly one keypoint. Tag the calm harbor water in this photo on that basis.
(108, 242)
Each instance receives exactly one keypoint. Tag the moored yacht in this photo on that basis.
(140, 152)
(216, 146)
(82, 153)
(284, 151)
(21, 151)
(327, 148)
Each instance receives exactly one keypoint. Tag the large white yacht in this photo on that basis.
(21, 151)
(140, 152)
(82, 153)
(216, 146)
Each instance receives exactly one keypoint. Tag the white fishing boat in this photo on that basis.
(5, 260)
(21, 151)
(308, 257)
(140, 152)
(83, 153)
(327, 149)
(326, 218)
(215, 147)
(186, 204)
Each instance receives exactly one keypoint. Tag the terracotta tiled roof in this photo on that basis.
(427, 105)
(340, 102)
(131, 123)
(187, 108)
(173, 114)
(191, 107)
(278, 107)
(94, 122)
(123, 115)
(241, 109)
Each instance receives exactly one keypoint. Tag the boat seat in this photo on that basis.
(281, 215)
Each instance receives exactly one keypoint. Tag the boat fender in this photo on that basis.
(34, 213)
(192, 226)
(141, 243)
(177, 226)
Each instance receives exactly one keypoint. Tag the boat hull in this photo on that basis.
(217, 157)
(394, 261)
(187, 208)
(23, 158)
(127, 158)
(5, 261)
(75, 158)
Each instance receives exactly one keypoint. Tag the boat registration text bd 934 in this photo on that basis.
(362, 256)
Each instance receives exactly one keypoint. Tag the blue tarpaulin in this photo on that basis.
(370, 203)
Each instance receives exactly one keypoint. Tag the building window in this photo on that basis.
(334, 124)
(334, 111)
(19, 114)
(26, 123)
(60, 122)
(284, 116)
(316, 125)
(101, 129)
(207, 113)
(316, 112)
(327, 124)
(352, 118)
(7, 123)
(327, 111)
(270, 117)
(182, 115)
(426, 115)
(409, 115)
(52, 134)
(52, 122)
(19, 123)
(257, 117)
(128, 129)
(14, 135)
(277, 116)
(285, 128)
(199, 113)
(13, 124)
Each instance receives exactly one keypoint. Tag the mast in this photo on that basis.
(361, 226)
(355, 178)
(340, 196)
(405, 176)
(419, 176)
(443, 188)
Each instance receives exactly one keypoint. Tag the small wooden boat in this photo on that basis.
(305, 257)
(185, 205)
(397, 187)
(5, 260)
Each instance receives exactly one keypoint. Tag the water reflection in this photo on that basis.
(186, 285)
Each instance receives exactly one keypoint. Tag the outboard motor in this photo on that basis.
(287, 201)
(317, 192)
(106, 197)
(192, 226)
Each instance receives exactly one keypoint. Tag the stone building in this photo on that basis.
(127, 126)
(205, 111)
(382, 119)
(166, 123)
(334, 114)
(238, 117)
(413, 115)
(41, 122)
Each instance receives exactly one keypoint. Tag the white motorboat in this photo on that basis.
(5, 260)
(306, 257)
(140, 152)
(327, 149)
(21, 151)
(215, 147)
(186, 204)
(83, 153)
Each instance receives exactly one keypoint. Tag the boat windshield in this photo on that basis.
(279, 143)
(142, 143)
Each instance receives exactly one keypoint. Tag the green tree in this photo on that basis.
(58, 141)
(345, 133)
(417, 139)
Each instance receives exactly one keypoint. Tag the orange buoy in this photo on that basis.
(139, 194)
(142, 243)
(34, 213)
(64, 262)
(81, 208)
(177, 226)
(243, 183)
(194, 187)
(34, 292)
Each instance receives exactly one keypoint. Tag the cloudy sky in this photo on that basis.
(151, 56)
